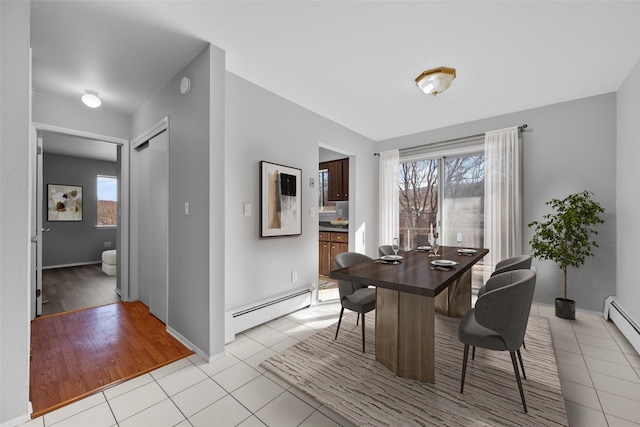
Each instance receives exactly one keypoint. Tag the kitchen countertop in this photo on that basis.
(326, 226)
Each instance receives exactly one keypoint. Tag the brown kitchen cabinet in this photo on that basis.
(331, 244)
(338, 179)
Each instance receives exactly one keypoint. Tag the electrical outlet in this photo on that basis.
(312, 211)
(187, 209)
(246, 209)
(294, 276)
(107, 244)
(312, 182)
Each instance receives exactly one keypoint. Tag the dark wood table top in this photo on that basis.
(413, 274)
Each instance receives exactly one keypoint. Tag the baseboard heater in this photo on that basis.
(629, 327)
(243, 318)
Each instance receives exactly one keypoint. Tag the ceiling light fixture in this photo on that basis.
(436, 80)
(91, 100)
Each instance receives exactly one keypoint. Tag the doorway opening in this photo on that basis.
(69, 238)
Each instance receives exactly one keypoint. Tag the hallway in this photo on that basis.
(76, 354)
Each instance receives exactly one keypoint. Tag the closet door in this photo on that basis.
(152, 177)
(158, 225)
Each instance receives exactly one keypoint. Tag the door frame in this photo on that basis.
(123, 226)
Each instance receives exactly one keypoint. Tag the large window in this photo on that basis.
(446, 193)
(107, 201)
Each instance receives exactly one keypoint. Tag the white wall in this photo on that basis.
(628, 196)
(264, 126)
(196, 157)
(14, 221)
(568, 147)
(75, 242)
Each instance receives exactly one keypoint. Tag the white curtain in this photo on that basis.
(503, 196)
(389, 201)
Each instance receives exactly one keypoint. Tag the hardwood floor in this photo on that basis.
(80, 353)
(76, 288)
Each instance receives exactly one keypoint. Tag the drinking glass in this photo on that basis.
(395, 246)
(459, 239)
(434, 245)
(431, 242)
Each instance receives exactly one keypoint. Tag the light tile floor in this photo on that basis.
(599, 372)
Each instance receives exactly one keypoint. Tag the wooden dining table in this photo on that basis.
(407, 296)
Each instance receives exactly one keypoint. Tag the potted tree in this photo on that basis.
(565, 237)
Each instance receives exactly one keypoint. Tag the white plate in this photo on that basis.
(467, 251)
(424, 248)
(391, 258)
(443, 262)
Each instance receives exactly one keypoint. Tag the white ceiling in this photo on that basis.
(353, 62)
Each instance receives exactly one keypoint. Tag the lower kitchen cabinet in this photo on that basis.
(331, 244)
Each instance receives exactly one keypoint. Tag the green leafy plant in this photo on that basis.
(565, 236)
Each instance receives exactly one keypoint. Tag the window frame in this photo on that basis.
(105, 226)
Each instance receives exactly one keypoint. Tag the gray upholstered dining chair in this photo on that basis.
(499, 319)
(387, 250)
(354, 296)
(518, 262)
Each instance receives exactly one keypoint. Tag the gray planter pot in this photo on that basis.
(565, 308)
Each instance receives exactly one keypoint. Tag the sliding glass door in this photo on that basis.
(463, 201)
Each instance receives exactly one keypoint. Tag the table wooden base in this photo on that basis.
(456, 299)
(405, 327)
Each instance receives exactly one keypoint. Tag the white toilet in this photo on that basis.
(109, 262)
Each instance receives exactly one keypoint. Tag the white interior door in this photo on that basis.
(159, 225)
(152, 182)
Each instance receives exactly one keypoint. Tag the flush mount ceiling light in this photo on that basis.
(91, 100)
(436, 80)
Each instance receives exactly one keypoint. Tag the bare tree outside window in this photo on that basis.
(462, 201)
(418, 201)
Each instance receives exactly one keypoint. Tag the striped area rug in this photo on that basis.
(354, 385)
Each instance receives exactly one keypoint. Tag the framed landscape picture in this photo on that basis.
(280, 200)
(64, 202)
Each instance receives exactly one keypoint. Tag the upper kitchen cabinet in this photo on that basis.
(337, 179)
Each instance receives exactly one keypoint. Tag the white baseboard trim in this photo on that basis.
(615, 311)
(19, 420)
(578, 310)
(185, 342)
(75, 264)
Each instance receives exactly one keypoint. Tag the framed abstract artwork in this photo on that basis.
(64, 202)
(280, 200)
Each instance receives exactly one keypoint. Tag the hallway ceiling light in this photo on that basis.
(91, 100)
(436, 80)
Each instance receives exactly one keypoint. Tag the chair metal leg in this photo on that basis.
(357, 319)
(524, 345)
(517, 372)
(339, 320)
(473, 353)
(521, 365)
(363, 332)
(464, 366)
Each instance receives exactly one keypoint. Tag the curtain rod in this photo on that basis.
(462, 138)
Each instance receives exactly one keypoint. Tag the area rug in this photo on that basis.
(354, 385)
